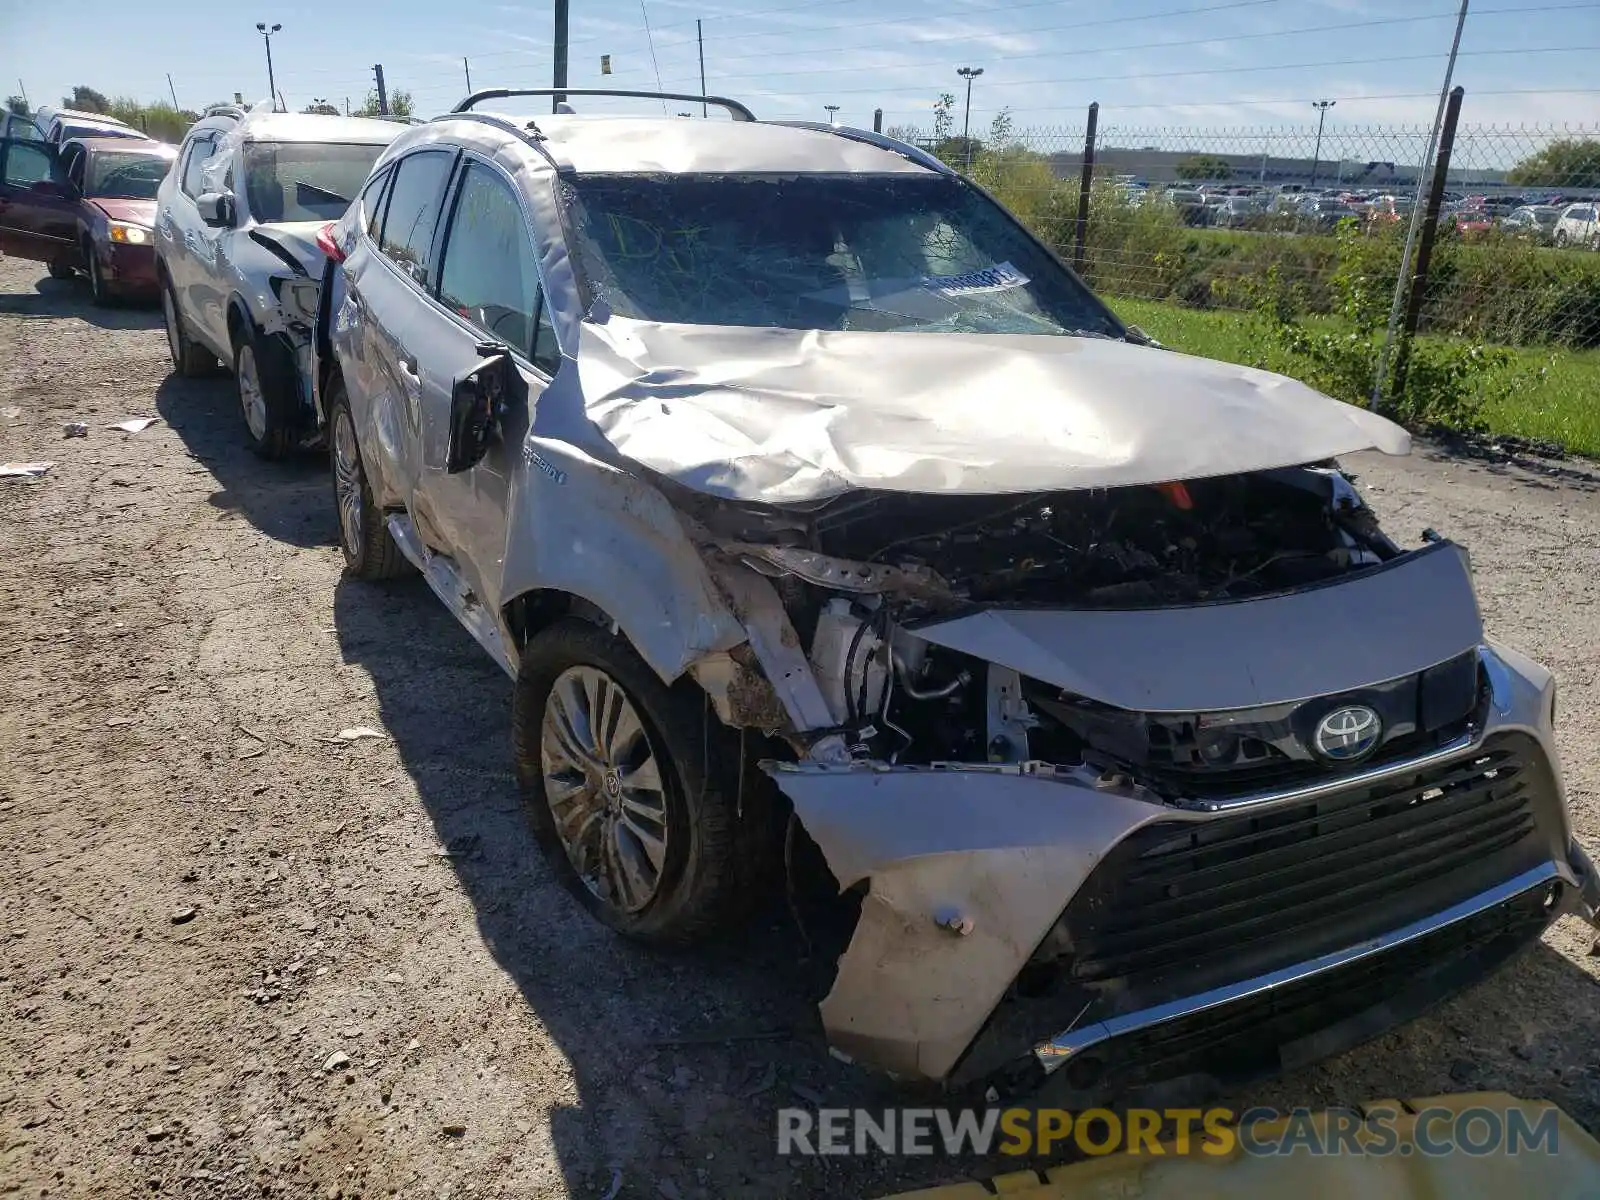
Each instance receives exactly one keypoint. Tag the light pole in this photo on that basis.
(969, 74)
(272, 84)
(833, 113)
(1322, 107)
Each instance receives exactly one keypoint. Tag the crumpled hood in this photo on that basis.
(787, 415)
(299, 239)
(134, 212)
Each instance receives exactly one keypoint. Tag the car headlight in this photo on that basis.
(129, 235)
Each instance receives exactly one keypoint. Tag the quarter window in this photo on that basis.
(413, 210)
(202, 148)
(489, 275)
(371, 201)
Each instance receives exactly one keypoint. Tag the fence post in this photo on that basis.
(1430, 228)
(1081, 229)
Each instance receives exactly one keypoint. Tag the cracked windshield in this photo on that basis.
(864, 252)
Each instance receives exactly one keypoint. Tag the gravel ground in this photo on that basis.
(240, 958)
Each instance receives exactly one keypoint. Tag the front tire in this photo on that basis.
(369, 550)
(619, 776)
(261, 390)
(189, 360)
(99, 291)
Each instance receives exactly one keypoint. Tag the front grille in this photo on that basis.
(1178, 908)
(1288, 1026)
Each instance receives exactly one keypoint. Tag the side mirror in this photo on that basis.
(47, 187)
(477, 402)
(217, 209)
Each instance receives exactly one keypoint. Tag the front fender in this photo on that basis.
(583, 527)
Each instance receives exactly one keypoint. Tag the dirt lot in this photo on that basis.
(381, 991)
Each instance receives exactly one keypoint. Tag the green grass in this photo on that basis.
(1557, 398)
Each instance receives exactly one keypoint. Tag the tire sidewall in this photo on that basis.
(355, 557)
(579, 643)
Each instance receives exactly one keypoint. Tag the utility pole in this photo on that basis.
(266, 36)
(467, 67)
(969, 74)
(700, 41)
(833, 113)
(560, 56)
(877, 120)
(383, 92)
(172, 89)
(24, 89)
(1322, 107)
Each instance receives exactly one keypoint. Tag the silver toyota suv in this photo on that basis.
(237, 255)
(814, 505)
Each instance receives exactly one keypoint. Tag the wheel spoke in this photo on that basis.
(638, 873)
(645, 777)
(650, 840)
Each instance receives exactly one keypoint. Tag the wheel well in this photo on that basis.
(238, 322)
(532, 611)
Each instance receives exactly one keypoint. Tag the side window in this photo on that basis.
(413, 211)
(75, 160)
(489, 275)
(371, 202)
(199, 150)
(26, 164)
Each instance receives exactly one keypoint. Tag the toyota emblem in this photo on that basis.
(1348, 733)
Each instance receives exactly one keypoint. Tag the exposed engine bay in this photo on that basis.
(857, 573)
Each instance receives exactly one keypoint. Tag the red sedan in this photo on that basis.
(89, 206)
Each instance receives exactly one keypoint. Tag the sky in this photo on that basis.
(1150, 63)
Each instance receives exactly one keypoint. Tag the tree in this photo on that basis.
(944, 116)
(1000, 129)
(1203, 166)
(1567, 163)
(86, 99)
(399, 105)
(321, 108)
(19, 106)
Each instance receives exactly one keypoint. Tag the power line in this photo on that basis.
(1123, 75)
(1077, 52)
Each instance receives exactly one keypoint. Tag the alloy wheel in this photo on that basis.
(603, 783)
(347, 478)
(251, 398)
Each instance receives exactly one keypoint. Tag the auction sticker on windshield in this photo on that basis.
(998, 278)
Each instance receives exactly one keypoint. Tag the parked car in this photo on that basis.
(87, 205)
(1578, 225)
(58, 125)
(1325, 212)
(14, 125)
(1235, 212)
(1388, 210)
(238, 258)
(1535, 221)
(799, 487)
(1190, 204)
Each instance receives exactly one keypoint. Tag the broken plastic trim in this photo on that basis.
(843, 574)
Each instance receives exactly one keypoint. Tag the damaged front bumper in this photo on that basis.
(1024, 922)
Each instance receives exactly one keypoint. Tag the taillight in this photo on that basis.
(327, 245)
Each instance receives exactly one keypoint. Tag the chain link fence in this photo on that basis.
(1218, 218)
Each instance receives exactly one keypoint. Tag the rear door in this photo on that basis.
(488, 296)
(390, 292)
(177, 226)
(38, 210)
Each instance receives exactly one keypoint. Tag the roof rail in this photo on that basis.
(881, 140)
(532, 138)
(738, 111)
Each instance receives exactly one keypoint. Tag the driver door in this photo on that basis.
(489, 302)
(38, 207)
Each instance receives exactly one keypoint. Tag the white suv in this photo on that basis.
(238, 256)
(1579, 225)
